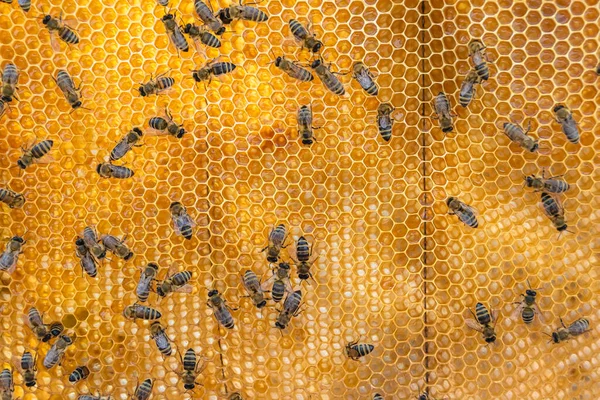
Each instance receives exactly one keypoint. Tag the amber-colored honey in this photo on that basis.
(393, 268)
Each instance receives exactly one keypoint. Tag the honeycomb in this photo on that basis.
(393, 268)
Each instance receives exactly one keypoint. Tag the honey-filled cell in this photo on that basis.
(390, 266)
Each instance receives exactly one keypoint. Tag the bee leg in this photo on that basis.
(264, 248)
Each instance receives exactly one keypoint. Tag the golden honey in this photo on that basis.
(393, 268)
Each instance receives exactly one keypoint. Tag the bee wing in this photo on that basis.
(471, 208)
(184, 289)
(54, 41)
(471, 323)
(288, 286)
(266, 284)
(516, 314)
(538, 313)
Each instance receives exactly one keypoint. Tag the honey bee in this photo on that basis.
(355, 350)
(56, 26)
(108, 170)
(293, 69)
(483, 322)
(443, 112)
(464, 212)
(281, 282)
(328, 77)
(479, 58)
(384, 120)
(565, 333)
(182, 222)
(57, 351)
(221, 309)
(167, 125)
(54, 330)
(191, 369)
(159, 335)
(365, 78)
(126, 144)
(305, 128)
(568, 124)
(35, 152)
(554, 212)
(86, 260)
(10, 256)
(142, 290)
(241, 11)
(138, 311)
(235, 396)
(302, 35)
(7, 386)
(143, 391)
(65, 84)
(291, 308)
(117, 246)
(254, 289)
(25, 5)
(549, 185)
(156, 86)
(303, 254)
(517, 135)
(29, 368)
(10, 78)
(37, 324)
(276, 239)
(202, 35)
(467, 89)
(11, 199)
(378, 396)
(90, 238)
(205, 13)
(175, 33)
(528, 308)
(211, 69)
(79, 374)
(174, 282)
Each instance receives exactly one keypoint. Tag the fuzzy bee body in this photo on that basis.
(37, 324)
(355, 350)
(281, 282)
(156, 86)
(11, 199)
(254, 289)
(90, 239)
(244, 12)
(173, 283)
(293, 69)
(200, 34)
(138, 311)
(276, 239)
(384, 120)
(476, 51)
(211, 69)
(291, 308)
(519, 136)
(568, 124)
(305, 128)
(10, 256)
(28, 365)
(554, 212)
(117, 247)
(10, 78)
(143, 391)
(57, 351)
(303, 253)
(191, 369)
(67, 86)
(35, 152)
(365, 78)
(206, 15)
(549, 185)
(328, 78)
(79, 374)
(86, 260)
(25, 5)
(528, 308)
(159, 335)
(220, 309)
(7, 386)
(182, 221)
(128, 142)
(167, 125)
(564, 333)
(301, 34)
(442, 107)
(174, 32)
(142, 290)
(463, 211)
(484, 322)
(107, 170)
(467, 88)
(64, 32)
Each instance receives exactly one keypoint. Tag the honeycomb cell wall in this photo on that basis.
(391, 266)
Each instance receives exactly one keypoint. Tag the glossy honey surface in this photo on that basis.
(392, 267)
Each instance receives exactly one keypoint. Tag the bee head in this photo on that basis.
(279, 325)
(167, 17)
(160, 291)
(31, 383)
(563, 227)
(46, 19)
(535, 147)
(278, 61)
(76, 105)
(153, 265)
(529, 180)
(66, 339)
(187, 28)
(555, 338)
(138, 131)
(220, 31)
(213, 292)
(505, 125)
(490, 339)
(180, 133)
(142, 91)
(315, 64)
(317, 47)
(196, 76)
(128, 256)
(272, 259)
(558, 107)
(450, 200)
(261, 304)
(598, 69)
(174, 204)
(21, 164)
(303, 276)
(189, 386)
(531, 292)
(307, 142)
(18, 239)
(284, 265)
(448, 129)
